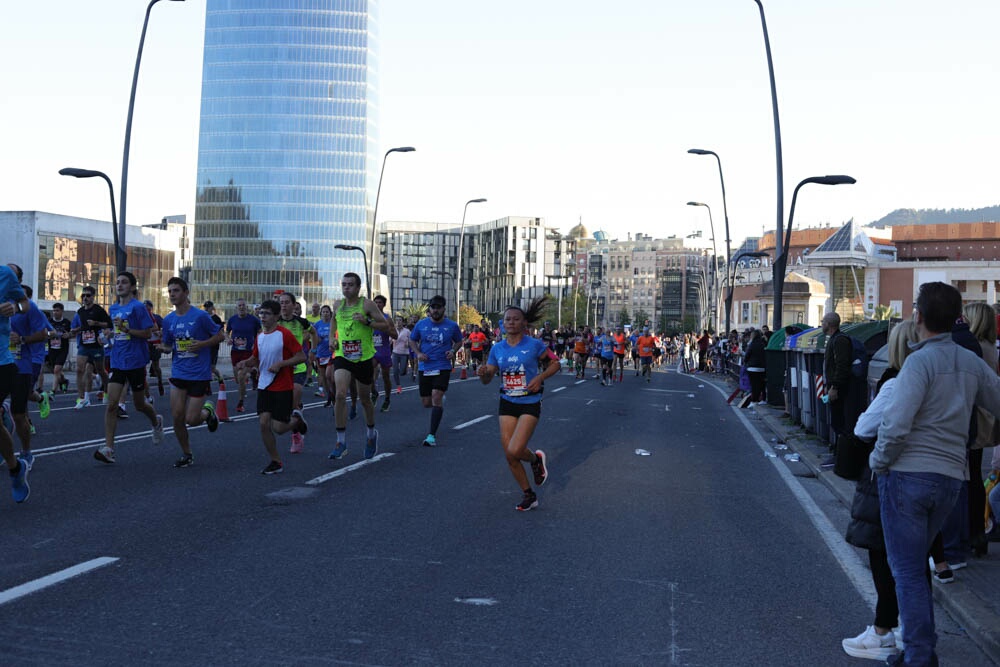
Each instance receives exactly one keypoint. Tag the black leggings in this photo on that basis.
(886, 606)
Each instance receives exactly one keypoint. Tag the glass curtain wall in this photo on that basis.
(288, 147)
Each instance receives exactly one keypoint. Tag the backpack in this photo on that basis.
(859, 358)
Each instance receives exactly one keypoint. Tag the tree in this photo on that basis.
(640, 318)
(468, 315)
(623, 316)
(416, 311)
(884, 313)
(571, 298)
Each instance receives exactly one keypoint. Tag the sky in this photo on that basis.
(567, 110)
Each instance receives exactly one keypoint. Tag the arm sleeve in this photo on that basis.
(871, 419)
(898, 413)
(841, 371)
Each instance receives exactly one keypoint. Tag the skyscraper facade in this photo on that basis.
(288, 147)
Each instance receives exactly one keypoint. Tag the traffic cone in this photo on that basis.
(221, 409)
(465, 373)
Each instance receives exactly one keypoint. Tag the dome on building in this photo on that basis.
(579, 232)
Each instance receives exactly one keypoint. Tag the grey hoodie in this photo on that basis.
(925, 426)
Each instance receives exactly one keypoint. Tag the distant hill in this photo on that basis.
(933, 216)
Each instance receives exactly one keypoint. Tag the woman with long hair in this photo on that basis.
(523, 363)
(983, 325)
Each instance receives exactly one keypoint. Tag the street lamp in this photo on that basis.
(725, 211)
(342, 246)
(715, 264)
(120, 255)
(781, 249)
(128, 132)
(779, 278)
(400, 149)
(458, 272)
(731, 277)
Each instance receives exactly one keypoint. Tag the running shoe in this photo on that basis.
(339, 450)
(122, 412)
(298, 444)
(273, 468)
(371, 445)
(385, 404)
(539, 468)
(945, 576)
(430, 441)
(528, 502)
(158, 430)
(239, 407)
(303, 427)
(31, 427)
(105, 454)
(19, 488)
(212, 421)
(329, 402)
(28, 458)
(354, 411)
(399, 390)
(82, 403)
(184, 461)
(869, 644)
(44, 406)
(320, 393)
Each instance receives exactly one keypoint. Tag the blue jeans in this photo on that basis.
(914, 507)
(955, 531)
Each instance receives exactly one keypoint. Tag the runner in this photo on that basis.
(209, 308)
(435, 340)
(242, 329)
(132, 329)
(477, 346)
(12, 301)
(633, 343)
(189, 333)
(646, 345)
(324, 355)
(400, 353)
(581, 351)
(383, 356)
(619, 348)
(155, 338)
(604, 347)
(87, 324)
(354, 319)
(275, 352)
(315, 372)
(58, 350)
(302, 330)
(518, 359)
(28, 332)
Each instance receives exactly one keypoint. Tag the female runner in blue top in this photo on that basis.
(523, 364)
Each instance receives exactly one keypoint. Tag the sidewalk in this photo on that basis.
(970, 599)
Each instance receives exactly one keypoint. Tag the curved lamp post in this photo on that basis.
(378, 193)
(731, 277)
(725, 212)
(120, 255)
(128, 127)
(343, 246)
(715, 263)
(458, 271)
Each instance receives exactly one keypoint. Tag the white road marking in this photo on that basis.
(579, 382)
(478, 602)
(343, 471)
(470, 423)
(671, 391)
(843, 553)
(12, 594)
(590, 401)
(558, 389)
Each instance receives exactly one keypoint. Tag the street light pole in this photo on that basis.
(119, 246)
(128, 135)
(715, 264)
(458, 271)
(378, 193)
(725, 213)
(343, 246)
(779, 272)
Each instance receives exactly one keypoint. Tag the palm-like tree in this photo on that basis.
(416, 310)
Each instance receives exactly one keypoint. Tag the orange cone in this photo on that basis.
(465, 373)
(221, 409)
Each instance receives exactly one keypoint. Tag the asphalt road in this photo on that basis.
(699, 553)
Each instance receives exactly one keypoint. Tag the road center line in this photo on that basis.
(12, 594)
(470, 423)
(558, 389)
(343, 471)
(579, 382)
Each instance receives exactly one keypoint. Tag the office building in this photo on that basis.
(288, 148)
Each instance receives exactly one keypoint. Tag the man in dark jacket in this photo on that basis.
(837, 375)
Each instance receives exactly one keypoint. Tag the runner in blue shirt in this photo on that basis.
(29, 331)
(607, 357)
(131, 328)
(523, 363)
(189, 334)
(324, 355)
(242, 329)
(12, 300)
(435, 339)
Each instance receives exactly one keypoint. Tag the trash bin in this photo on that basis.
(794, 407)
(776, 365)
(805, 363)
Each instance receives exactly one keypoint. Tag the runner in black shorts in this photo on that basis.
(435, 339)
(58, 349)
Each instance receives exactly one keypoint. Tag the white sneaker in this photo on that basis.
(158, 430)
(82, 402)
(869, 644)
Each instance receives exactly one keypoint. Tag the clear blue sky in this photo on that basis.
(553, 108)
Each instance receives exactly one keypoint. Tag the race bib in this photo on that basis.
(55, 343)
(514, 383)
(323, 361)
(351, 350)
(121, 334)
(240, 344)
(183, 346)
(430, 374)
(88, 337)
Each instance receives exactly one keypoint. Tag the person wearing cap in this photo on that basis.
(242, 329)
(434, 340)
(354, 319)
(209, 308)
(646, 344)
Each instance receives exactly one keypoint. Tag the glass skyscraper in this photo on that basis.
(288, 148)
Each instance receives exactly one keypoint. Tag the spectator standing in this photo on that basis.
(754, 361)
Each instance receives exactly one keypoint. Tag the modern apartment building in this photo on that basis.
(288, 149)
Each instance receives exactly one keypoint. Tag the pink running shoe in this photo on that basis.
(298, 443)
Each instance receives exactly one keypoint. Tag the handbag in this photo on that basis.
(850, 457)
